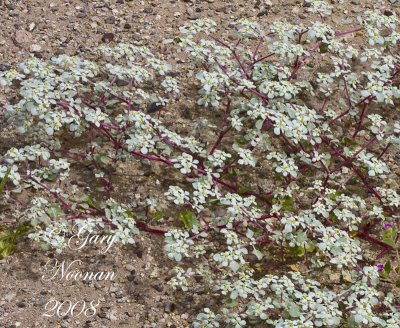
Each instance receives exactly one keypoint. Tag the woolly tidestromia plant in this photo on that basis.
(295, 181)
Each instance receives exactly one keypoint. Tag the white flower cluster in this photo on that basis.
(177, 195)
(53, 235)
(11, 173)
(284, 165)
(277, 122)
(120, 223)
(233, 257)
(319, 7)
(297, 123)
(121, 218)
(207, 319)
(212, 85)
(342, 249)
(27, 153)
(180, 279)
(177, 244)
(185, 163)
(374, 165)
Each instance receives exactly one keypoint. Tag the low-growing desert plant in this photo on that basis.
(290, 181)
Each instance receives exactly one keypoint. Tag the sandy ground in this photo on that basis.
(138, 296)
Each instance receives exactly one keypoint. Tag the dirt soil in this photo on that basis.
(138, 297)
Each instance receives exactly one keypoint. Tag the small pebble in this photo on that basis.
(81, 14)
(107, 37)
(110, 20)
(35, 48)
(169, 307)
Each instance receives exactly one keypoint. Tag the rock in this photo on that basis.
(263, 13)
(10, 296)
(40, 303)
(192, 14)
(4, 67)
(155, 273)
(388, 13)
(64, 324)
(169, 307)
(81, 14)
(38, 55)
(99, 5)
(121, 83)
(10, 5)
(198, 278)
(110, 20)
(131, 278)
(158, 287)
(114, 288)
(138, 252)
(130, 267)
(112, 317)
(148, 10)
(53, 6)
(31, 26)
(13, 13)
(154, 107)
(392, 1)
(224, 9)
(103, 313)
(357, 10)
(21, 304)
(107, 37)
(35, 48)
(355, 2)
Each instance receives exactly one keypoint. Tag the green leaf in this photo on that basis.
(23, 229)
(6, 246)
(7, 240)
(129, 213)
(323, 48)
(387, 268)
(297, 251)
(90, 201)
(351, 322)
(112, 102)
(334, 195)
(294, 310)
(234, 266)
(349, 142)
(189, 220)
(389, 236)
(231, 303)
(240, 140)
(244, 190)
(55, 211)
(4, 180)
(158, 215)
(103, 158)
(259, 124)
(257, 253)
(287, 203)
(51, 177)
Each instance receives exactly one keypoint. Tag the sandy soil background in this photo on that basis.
(139, 296)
